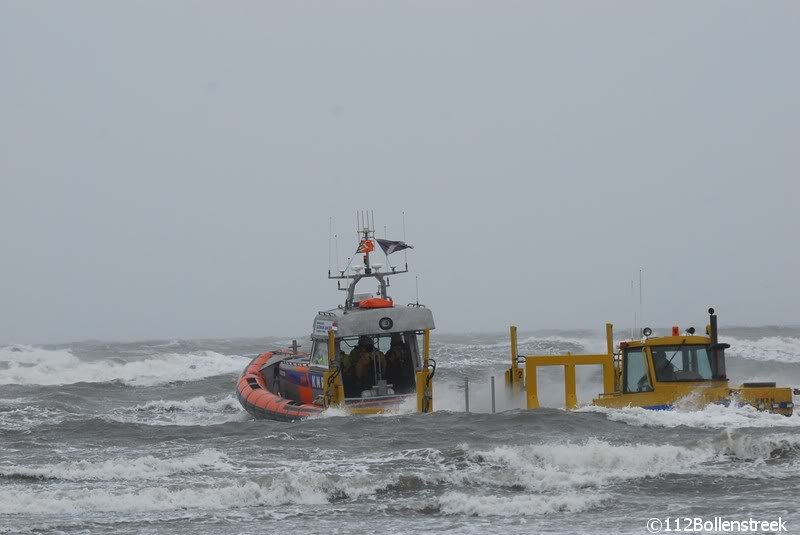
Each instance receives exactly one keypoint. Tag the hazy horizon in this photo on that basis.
(169, 170)
(620, 333)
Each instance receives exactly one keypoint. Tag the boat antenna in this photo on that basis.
(365, 217)
(330, 246)
(633, 327)
(416, 282)
(386, 256)
(405, 252)
(336, 244)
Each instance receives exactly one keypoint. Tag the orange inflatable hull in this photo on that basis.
(261, 403)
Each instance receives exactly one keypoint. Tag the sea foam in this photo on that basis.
(774, 348)
(146, 467)
(711, 416)
(195, 411)
(26, 365)
(459, 503)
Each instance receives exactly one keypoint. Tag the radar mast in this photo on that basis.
(365, 230)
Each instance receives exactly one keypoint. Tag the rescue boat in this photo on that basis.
(365, 355)
(654, 372)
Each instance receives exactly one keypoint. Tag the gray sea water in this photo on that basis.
(149, 438)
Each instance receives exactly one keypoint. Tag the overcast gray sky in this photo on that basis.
(168, 169)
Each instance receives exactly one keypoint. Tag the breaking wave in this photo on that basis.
(147, 467)
(195, 411)
(762, 448)
(709, 417)
(775, 348)
(568, 467)
(245, 494)
(286, 487)
(532, 479)
(28, 417)
(459, 503)
(197, 404)
(25, 365)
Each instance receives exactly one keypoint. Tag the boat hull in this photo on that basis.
(261, 403)
(260, 397)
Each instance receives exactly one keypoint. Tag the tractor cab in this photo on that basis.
(651, 362)
(655, 372)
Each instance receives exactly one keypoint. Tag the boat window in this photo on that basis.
(682, 363)
(414, 343)
(383, 363)
(405, 342)
(636, 378)
(319, 355)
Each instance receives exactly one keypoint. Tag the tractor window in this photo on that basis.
(682, 363)
(636, 378)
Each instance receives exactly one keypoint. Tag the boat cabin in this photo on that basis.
(378, 359)
(378, 348)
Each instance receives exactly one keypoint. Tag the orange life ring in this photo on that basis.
(376, 302)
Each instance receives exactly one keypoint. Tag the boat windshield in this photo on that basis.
(319, 355)
(370, 361)
(682, 363)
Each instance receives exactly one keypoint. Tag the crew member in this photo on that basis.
(399, 365)
(365, 359)
(665, 371)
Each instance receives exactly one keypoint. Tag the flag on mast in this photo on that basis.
(366, 246)
(391, 246)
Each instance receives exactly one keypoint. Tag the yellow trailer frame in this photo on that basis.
(568, 361)
(514, 375)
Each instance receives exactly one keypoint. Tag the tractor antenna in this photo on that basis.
(641, 307)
